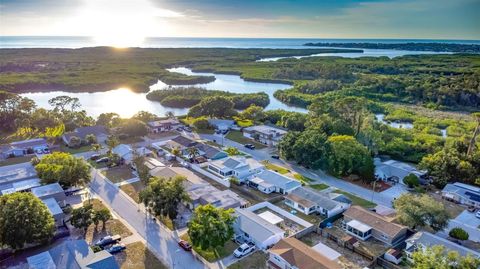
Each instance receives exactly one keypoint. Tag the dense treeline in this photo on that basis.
(412, 46)
(187, 97)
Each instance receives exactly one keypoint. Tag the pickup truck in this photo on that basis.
(108, 240)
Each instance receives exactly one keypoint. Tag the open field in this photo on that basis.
(257, 260)
(119, 173)
(137, 256)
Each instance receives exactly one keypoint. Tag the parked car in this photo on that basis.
(275, 157)
(185, 245)
(471, 209)
(46, 150)
(95, 157)
(116, 248)
(243, 250)
(180, 128)
(249, 146)
(224, 132)
(108, 240)
(478, 214)
(188, 129)
(103, 160)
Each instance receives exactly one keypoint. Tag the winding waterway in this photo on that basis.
(126, 102)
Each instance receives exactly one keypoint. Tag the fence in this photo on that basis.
(204, 172)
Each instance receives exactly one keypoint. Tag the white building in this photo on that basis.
(256, 229)
(309, 201)
(239, 167)
(268, 181)
(265, 134)
(53, 190)
(462, 193)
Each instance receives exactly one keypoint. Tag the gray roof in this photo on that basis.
(464, 190)
(29, 143)
(308, 196)
(82, 132)
(53, 206)
(231, 163)
(73, 254)
(210, 151)
(278, 180)
(427, 239)
(48, 189)
(184, 141)
(255, 226)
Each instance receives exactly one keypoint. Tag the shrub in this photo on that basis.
(235, 181)
(201, 123)
(411, 180)
(75, 142)
(458, 233)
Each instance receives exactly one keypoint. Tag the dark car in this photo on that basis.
(94, 157)
(275, 157)
(249, 146)
(185, 245)
(116, 248)
(224, 132)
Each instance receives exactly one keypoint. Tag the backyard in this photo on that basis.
(313, 218)
(138, 256)
(119, 173)
(257, 260)
(212, 255)
(238, 137)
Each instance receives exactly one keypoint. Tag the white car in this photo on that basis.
(243, 250)
(477, 214)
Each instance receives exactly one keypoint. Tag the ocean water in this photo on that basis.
(187, 42)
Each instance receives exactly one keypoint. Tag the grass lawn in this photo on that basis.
(81, 149)
(279, 169)
(237, 136)
(97, 165)
(257, 260)
(313, 218)
(131, 140)
(16, 160)
(133, 190)
(113, 226)
(215, 254)
(357, 200)
(118, 174)
(244, 123)
(305, 180)
(138, 256)
(205, 131)
(320, 186)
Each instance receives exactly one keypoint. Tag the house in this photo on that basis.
(125, 152)
(55, 210)
(309, 201)
(18, 177)
(220, 124)
(291, 253)
(363, 224)
(99, 131)
(265, 134)
(425, 239)
(24, 147)
(163, 125)
(180, 142)
(72, 254)
(253, 228)
(17, 186)
(462, 193)
(53, 190)
(209, 152)
(239, 167)
(393, 255)
(268, 181)
(396, 170)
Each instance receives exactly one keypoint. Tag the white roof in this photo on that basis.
(255, 226)
(46, 190)
(124, 151)
(278, 180)
(41, 261)
(53, 206)
(265, 129)
(270, 217)
(26, 184)
(359, 226)
(326, 251)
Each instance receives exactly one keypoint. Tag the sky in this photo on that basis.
(109, 20)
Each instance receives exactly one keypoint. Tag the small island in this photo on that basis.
(412, 46)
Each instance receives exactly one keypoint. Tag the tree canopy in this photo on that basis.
(24, 219)
(437, 257)
(63, 168)
(214, 107)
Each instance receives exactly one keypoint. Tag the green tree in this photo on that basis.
(112, 142)
(82, 217)
(211, 227)
(254, 113)
(437, 257)
(411, 180)
(91, 139)
(74, 142)
(24, 219)
(142, 170)
(109, 120)
(215, 107)
(145, 116)
(133, 127)
(192, 152)
(176, 151)
(458, 233)
(421, 210)
(232, 151)
(63, 168)
(14, 109)
(163, 195)
(63, 103)
(476, 132)
(201, 123)
(102, 215)
(353, 110)
(96, 148)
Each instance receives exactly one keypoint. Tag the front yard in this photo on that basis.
(213, 255)
(81, 149)
(279, 169)
(257, 260)
(133, 190)
(238, 137)
(138, 256)
(119, 173)
(357, 200)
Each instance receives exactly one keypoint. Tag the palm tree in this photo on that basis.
(193, 152)
(96, 148)
(476, 132)
(176, 151)
(170, 115)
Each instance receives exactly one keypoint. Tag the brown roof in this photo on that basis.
(374, 220)
(300, 200)
(302, 256)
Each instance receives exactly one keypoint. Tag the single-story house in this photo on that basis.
(309, 201)
(22, 185)
(55, 210)
(181, 142)
(209, 152)
(53, 190)
(253, 228)
(268, 181)
(291, 253)
(125, 152)
(220, 124)
(239, 167)
(462, 193)
(72, 254)
(425, 239)
(24, 147)
(363, 224)
(163, 125)
(268, 135)
(99, 131)
(396, 170)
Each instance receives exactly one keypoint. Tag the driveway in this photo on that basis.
(159, 240)
(468, 222)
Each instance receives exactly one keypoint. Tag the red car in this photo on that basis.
(185, 245)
